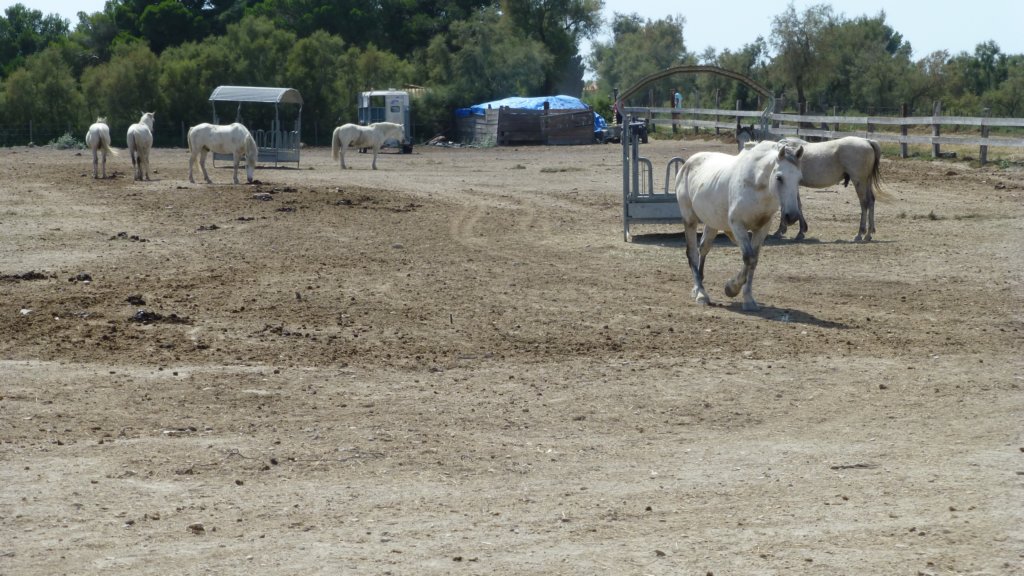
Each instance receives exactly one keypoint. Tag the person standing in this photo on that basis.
(677, 104)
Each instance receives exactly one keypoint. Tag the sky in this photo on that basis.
(953, 25)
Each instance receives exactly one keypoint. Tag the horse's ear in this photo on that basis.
(799, 152)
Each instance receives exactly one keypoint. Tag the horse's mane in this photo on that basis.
(791, 153)
(101, 119)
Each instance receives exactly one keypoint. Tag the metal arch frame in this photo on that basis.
(652, 207)
(705, 69)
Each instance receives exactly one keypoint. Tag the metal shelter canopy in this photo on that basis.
(263, 94)
(276, 143)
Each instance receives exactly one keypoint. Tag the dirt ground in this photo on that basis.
(456, 365)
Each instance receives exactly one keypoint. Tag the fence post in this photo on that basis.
(936, 129)
(718, 105)
(983, 153)
(31, 138)
(904, 112)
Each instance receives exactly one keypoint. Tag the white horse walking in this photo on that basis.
(140, 141)
(737, 195)
(98, 140)
(233, 139)
(847, 159)
(372, 136)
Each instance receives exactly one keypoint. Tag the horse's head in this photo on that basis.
(251, 157)
(785, 180)
(147, 119)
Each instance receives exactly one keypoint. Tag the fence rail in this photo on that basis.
(882, 128)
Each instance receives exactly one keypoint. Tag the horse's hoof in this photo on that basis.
(751, 306)
(799, 237)
(730, 290)
(702, 299)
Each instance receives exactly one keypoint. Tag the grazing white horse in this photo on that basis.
(847, 159)
(372, 136)
(738, 195)
(140, 141)
(98, 140)
(233, 139)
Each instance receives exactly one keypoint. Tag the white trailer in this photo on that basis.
(387, 106)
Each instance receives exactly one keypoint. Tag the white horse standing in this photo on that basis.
(847, 159)
(98, 140)
(233, 139)
(738, 195)
(140, 141)
(372, 136)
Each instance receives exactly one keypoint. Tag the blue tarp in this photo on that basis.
(533, 103)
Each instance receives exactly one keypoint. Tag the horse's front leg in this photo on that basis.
(750, 248)
(104, 166)
(803, 221)
(235, 175)
(343, 146)
(375, 148)
(781, 231)
(202, 165)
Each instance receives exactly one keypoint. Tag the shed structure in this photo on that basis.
(272, 115)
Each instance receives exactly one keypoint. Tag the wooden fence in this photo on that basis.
(903, 130)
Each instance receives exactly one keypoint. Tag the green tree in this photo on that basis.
(314, 69)
(24, 32)
(170, 23)
(188, 75)
(752, 61)
(95, 33)
(639, 48)
(351, 19)
(559, 25)
(43, 92)
(486, 58)
(867, 60)
(1008, 99)
(123, 88)
(407, 26)
(797, 39)
(924, 83)
(261, 51)
(479, 59)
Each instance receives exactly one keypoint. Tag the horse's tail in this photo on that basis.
(335, 143)
(133, 147)
(105, 146)
(875, 178)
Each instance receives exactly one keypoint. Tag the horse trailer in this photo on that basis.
(387, 106)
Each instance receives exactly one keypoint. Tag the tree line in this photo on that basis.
(167, 56)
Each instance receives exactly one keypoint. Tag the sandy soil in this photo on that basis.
(456, 365)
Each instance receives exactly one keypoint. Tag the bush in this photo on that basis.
(67, 142)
